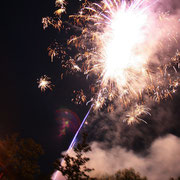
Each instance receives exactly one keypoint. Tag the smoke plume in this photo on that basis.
(161, 162)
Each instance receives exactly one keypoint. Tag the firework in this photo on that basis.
(83, 122)
(116, 48)
(44, 83)
(136, 113)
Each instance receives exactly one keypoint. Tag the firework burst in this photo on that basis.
(135, 114)
(44, 83)
(117, 47)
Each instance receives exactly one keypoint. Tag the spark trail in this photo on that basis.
(56, 174)
(84, 120)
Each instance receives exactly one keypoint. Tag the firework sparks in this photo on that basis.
(44, 83)
(60, 3)
(79, 97)
(116, 47)
(136, 113)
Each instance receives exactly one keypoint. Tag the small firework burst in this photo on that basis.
(135, 114)
(44, 83)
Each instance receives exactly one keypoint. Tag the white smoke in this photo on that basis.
(162, 161)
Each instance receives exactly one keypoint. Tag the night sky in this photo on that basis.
(24, 59)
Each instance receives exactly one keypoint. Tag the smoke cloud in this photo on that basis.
(161, 162)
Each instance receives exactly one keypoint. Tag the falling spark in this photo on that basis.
(44, 83)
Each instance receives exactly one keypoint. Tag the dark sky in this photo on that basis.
(24, 59)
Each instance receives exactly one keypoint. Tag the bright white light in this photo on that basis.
(123, 39)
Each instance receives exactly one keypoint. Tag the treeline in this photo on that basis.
(19, 160)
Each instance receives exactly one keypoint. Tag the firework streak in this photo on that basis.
(84, 120)
(56, 174)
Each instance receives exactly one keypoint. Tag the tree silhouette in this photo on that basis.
(19, 158)
(74, 167)
(125, 174)
(129, 174)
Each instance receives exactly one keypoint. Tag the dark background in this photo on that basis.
(24, 59)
